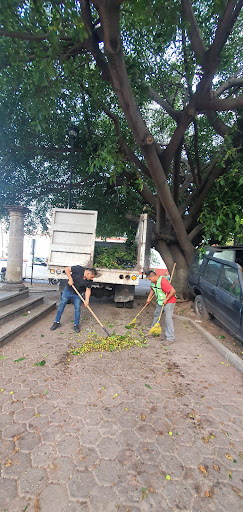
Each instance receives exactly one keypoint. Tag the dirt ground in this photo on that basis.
(212, 326)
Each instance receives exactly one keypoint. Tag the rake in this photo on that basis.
(133, 322)
(92, 313)
(156, 329)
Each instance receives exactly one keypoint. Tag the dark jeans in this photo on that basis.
(66, 296)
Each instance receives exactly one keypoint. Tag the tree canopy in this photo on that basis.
(155, 90)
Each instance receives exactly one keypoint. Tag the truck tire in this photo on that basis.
(120, 304)
(129, 304)
(200, 308)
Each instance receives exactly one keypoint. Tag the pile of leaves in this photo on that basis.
(118, 256)
(112, 343)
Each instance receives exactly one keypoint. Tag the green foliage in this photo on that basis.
(118, 256)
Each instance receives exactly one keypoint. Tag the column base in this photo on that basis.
(18, 286)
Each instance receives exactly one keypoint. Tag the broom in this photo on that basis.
(92, 313)
(133, 322)
(156, 329)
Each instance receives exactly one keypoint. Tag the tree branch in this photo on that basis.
(194, 32)
(223, 30)
(228, 84)
(175, 114)
(205, 103)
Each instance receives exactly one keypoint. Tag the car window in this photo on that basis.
(196, 262)
(229, 281)
(211, 271)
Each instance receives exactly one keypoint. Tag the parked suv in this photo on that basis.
(216, 280)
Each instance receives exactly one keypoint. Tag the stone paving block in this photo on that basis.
(61, 469)
(8, 492)
(14, 467)
(20, 504)
(108, 428)
(12, 407)
(7, 449)
(78, 507)
(28, 441)
(10, 431)
(108, 448)
(128, 438)
(52, 434)
(5, 419)
(178, 495)
(106, 472)
(37, 424)
(81, 485)
(32, 482)
(43, 455)
(105, 499)
(86, 458)
(25, 415)
(54, 497)
(68, 445)
(89, 436)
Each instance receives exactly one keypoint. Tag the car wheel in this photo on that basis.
(200, 308)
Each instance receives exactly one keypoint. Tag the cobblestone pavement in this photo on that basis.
(155, 429)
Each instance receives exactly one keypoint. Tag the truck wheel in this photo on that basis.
(200, 308)
(129, 304)
(120, 304)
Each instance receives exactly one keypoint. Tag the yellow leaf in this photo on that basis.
(216, 468)
(170, 433)
(207, 494)
(8, 463)
(228, 456)
(203, 469)
(143, 417)
(167, 477)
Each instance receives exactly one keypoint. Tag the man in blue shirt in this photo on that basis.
(82, 279)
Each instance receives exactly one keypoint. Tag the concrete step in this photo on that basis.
(11, 311)
(10, 297)
(11, 329)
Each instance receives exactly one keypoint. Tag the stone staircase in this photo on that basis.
(18, 311)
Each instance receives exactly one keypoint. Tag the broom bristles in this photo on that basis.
(155, 330)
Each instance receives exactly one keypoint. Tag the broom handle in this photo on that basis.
(169, 282)
(147, 303)
(94, 315)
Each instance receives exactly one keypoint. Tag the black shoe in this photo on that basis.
(55, 326)
(76, 328)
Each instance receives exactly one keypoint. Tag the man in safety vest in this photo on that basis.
(165, 294)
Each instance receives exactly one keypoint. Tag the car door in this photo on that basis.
(228, 299)
(208, 283)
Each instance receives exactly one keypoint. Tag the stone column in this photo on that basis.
(14, 279)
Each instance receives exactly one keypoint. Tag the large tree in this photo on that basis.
(155, 89)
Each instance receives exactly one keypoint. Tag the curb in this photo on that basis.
(235, 360)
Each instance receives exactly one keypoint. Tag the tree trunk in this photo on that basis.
(172, 254)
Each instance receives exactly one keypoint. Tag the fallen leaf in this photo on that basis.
(203, 469)
(147, 386)
(170, 433)
(221, 337)
(241, 454)
(167, 477)
(20, 359)
(37, 415)
(228, 456)
(230, 476)
(207, 494)
(8, 463)
(143, 417)
(3, 357)
(205, 440)
(41, 363)
(42, 335)
(144, 493)
(216, 468)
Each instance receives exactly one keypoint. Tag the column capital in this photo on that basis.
(22, 210)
